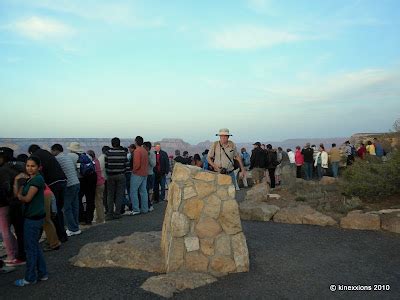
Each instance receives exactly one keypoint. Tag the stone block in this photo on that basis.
(229, 217)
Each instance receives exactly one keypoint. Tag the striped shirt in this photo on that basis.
(69, 169)
(116, 161)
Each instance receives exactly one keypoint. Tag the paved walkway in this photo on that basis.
(287, 261)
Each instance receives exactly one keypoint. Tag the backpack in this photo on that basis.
(86, 165)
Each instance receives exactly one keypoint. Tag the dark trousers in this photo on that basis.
(58, 190)
(271, 172)
(105, 197)
(87, 189)
(159, 180)
(115, 192)
(17, 221)
(298, 171)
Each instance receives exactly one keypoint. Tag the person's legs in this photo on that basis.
(143, 194)
(163, 181)
(71, 207)
(90, 195)
(105, 197)
(149, 187)
(319, 171)
(156, 190)
(81, 193)
(120, 186)
(58, 190)
(8, 238)
(48, 225)
(335, 168)
(110, 195)
(99, 204)
(235, 181)
(245, 184)
(135, 183)
(17, 221)
(34, 254)
(271, 173)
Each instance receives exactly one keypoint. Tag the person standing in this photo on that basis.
(116, 164)
(258, 163)
(246, 162)
(272, 163)
(150, 174)
(71, 196)
(308, 154)
(160, 172)
(32, 195)
(55, 178)
(222, 154)
(139, 178)
(334, 158)
(299, 161)
(362, 151)
(98, 200)
(321, 162)
(86, 172)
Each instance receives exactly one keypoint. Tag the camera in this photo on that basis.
(223, 171)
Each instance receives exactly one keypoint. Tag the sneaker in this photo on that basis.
(71, 233)
(151, 208)
(44, 278)
(127, 213)
(15, 262)
(23, 282)
(133, 213)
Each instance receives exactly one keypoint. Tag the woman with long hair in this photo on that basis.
(31, 194)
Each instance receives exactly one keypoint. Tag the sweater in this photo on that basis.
(324, 159)
(140, 161)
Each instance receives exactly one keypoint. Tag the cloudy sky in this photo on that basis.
(267, 70)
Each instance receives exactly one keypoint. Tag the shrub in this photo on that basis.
(372, 177)
(300, 199)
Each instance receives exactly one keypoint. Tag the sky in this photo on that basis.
(265, 69)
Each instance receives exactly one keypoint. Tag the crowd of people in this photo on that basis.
(57, 192)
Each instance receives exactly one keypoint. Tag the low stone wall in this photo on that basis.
(202, 231)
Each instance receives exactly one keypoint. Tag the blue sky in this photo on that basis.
(267, 70)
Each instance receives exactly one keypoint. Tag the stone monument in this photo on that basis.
(202, 231)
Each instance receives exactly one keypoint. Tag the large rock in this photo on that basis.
(140, 251)
(257, 211)
(259, 192)
(168, 284)
(391, 221)
(303, 214)
(293, 215)
(202, 232)
(358, 220)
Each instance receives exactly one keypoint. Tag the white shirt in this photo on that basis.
(291, 157)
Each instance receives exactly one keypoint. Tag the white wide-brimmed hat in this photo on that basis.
(223, 131)
(75, 147)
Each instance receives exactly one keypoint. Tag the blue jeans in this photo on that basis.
(321, 171)
(34, 254)
(138, 184)
(335, 168)
(71, 207)
(308, 169)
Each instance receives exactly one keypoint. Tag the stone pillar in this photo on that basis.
(202, 231)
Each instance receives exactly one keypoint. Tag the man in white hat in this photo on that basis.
(222, 155)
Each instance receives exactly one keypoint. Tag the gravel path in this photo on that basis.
(287, 261)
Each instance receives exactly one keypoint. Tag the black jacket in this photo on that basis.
(272, 159)
(258, 158)
(164, 163)
(51, 169)
(308, 154)
(7, 174)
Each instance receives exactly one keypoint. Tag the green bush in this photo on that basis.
(372, 177)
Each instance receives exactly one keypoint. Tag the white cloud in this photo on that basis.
(39, 28)
(111, 12)
(362, 85)
(252, 37)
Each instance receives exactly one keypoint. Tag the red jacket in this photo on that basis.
(298, 158)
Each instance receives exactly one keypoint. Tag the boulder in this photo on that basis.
(140, 250)
(391, 221)
(257, 211)
(319, 219)
(168, 284)
(358, 220)
(259, 192)
(293, 215)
